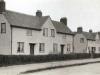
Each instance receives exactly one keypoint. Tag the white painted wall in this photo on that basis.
(80, 47)
(5, 38)
(19, 35)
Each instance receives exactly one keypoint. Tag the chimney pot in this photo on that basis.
(39, 13)
(79, 29)
(2, 6)
(64, 20)
(90, 31)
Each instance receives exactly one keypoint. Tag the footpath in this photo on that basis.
(27, 68)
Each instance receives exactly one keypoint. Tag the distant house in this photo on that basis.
(23, 34)
(86, 42)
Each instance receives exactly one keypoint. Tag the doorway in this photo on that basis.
(62, 49)
(32, 45)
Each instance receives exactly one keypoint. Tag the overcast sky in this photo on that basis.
(85, 13)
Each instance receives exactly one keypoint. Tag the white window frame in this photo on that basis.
(45, 32)
(52, 32)
(55, 47)
(3, 28)
(29, 32)
(68, 47)
(42, 47)
(20, 48)
(81, 40)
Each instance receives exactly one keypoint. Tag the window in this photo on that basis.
(20, 47)
(81, 40)
(89, 49)
(29, 32)
(3, 27)
(68, 47)
(99, 49)
(64, 36)
(52, 33)
(42, 47)
(45, 32)
(55, 48)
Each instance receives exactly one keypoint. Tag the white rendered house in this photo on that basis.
(23, 34)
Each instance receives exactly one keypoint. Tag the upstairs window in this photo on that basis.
(3, 27)
(64, 36)
(42, 47)
(55, 48)
(81, 40)
(29, 32)
(52, 33)
(45, 32)
(20, 47)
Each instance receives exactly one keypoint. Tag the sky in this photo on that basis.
(80, 13)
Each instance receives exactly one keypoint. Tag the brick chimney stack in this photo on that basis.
(79, 29)
(63, 20)
(2, 6)
(39, 13)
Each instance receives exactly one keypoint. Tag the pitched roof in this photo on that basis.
(61, 28)
(88, 35)
(35, 22)
(23, 20)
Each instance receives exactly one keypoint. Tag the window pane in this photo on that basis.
(81, 40)
(64, 36)
(55, 48)
(45, 32)
(42, 47)
(52, 32)
(20, 47)
(68, 47)
(3, 27)
(29, 32)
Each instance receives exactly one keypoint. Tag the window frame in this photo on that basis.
(52, 32)
(45, 32)
(64, 36)
(19, 49)
(3, 30)
(55, 47)
(81, 40)
(68, 47)
(29, 32)
(42, 47)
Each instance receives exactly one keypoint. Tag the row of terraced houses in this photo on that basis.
(22, 34)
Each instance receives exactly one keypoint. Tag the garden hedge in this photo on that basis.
(6, 60)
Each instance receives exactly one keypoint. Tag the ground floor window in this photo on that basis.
(89, 49)
(42, 47)
(55, 47)
(20, 48)
(68, 47)
(99, 49)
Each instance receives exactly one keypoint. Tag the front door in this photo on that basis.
(32, 48)
(62, 49)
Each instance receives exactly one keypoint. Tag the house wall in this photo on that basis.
(19, 35)
(5, 38)
(97, 43)
(90, 45)
(80, 47)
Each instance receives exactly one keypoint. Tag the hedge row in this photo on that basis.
(6, 60)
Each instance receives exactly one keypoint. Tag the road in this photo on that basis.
(90, 69)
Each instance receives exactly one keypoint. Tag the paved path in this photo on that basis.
(89, 69)
(17, 69)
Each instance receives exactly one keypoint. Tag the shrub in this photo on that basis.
(6, 60)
